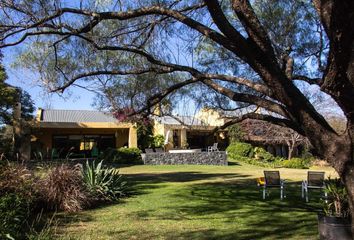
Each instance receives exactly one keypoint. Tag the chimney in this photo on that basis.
(39, 114)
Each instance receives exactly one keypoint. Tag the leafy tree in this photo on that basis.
(253, 52)
(9, 96)
(235, 133)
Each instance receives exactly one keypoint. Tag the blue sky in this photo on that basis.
(79, 99)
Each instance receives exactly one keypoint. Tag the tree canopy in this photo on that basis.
(9, 95)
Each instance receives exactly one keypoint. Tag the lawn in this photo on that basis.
(199, 202)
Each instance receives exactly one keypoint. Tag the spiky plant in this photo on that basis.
(105, 183)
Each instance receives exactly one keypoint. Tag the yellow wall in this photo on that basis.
(210, 117)
(45, 135)
(133, 137)
(159, 129)
(122, 137)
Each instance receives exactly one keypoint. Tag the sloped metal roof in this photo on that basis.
(183, 120)
(74, 116)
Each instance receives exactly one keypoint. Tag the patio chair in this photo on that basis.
(54, 154)
(315, 180)
(213, 148)
(94, 152)
(272, 180)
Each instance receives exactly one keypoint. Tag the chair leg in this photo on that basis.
(326, 197)
(302, 191)
(307, 194)
(264, 193)
(281, 193)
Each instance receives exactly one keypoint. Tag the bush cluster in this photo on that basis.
(244, 152)
(123, 155)
(158, 141)
(239, 149)
(64, 187)
(299, 163)
(17, 201)
(261, 154)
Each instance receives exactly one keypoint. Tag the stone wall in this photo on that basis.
(197, 158)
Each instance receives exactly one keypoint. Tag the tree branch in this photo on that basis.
(316, 81)
(253, 26)
(109, 72)
(256, 116)
(241, 97)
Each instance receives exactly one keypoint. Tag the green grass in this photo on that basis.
(199, 202)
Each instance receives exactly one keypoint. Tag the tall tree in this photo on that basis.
(9, 95)
(247, 51)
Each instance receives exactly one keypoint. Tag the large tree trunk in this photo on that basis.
(340, 155)
(348, 178)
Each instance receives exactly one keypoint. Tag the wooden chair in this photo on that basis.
(272, 180)
(315, 180)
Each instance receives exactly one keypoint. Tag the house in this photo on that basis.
(191, 131)
(80, 131)
(275, 139)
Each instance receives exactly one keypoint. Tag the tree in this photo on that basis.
(273, 134)
(248, 51)
(12, 142)
(9, 95)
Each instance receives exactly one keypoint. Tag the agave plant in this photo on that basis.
(104, 183)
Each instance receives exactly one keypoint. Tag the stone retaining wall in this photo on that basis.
(197, 158)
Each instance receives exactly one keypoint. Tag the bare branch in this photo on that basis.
(271, 119)
(316, 81)
(155, 99)
(252, 99)
(109, 72)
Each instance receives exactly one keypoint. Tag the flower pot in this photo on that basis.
(334, 228)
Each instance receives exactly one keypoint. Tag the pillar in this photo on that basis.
(183, 138)
(133, 138)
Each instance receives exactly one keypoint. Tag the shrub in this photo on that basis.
(63, 189)
(123, 155)
(256, 162)
(17, 200)
(104, 183)
(337, 203)
(235, 133)
(158, 141)
(15, 210)
(296, 163)
(239, 149)
(261, 154)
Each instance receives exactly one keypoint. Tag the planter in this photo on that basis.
(334, 228)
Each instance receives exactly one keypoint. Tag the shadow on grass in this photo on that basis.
(240, 203)
(144, 182)
(231, 207)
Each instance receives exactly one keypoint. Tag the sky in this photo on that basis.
(80, 100)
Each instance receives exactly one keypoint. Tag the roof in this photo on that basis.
(261, 131)
(180, 120)
(74, 116)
